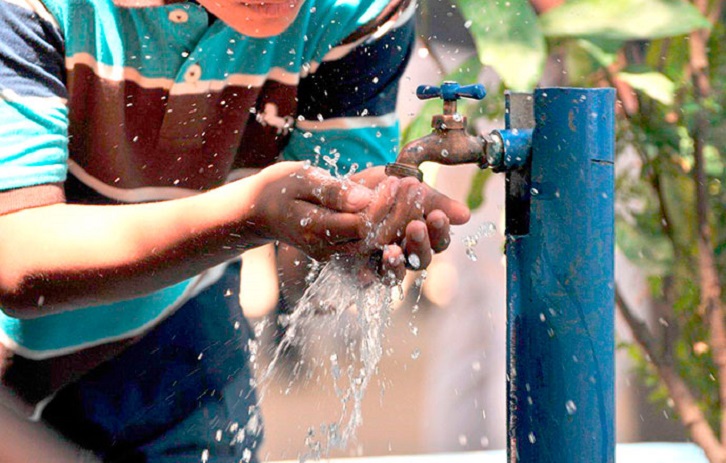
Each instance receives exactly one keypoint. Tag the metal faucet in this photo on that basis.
(449, 143)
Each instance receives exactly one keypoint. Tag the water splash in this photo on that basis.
(485, 230)
(336, 297)
(354, 313)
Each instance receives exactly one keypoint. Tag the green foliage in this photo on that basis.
(508, 38)
(622, 19)
(476, 192)
(651, 82)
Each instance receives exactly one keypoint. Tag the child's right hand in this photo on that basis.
(306, 207)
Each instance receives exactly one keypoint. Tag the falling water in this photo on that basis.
(336, 297)
(485, 230)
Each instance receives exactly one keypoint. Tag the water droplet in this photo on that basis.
(534, 191)
(444, 153)
(462, 440)
(415, 354)
(205, 455)
(414, 261)
(532, 438)
(305, 221)
(487, 229)
(570, 407)
(467, 24)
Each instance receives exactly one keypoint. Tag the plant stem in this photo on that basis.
(710, 284)
(685, 402)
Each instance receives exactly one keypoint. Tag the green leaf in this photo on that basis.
(651, 253)
(584, 57)
(652, 83)
(507, 38)
(476, 192)
(670, 56)
(622, 19)
(603, 51)
(714, 164)
(421, 124)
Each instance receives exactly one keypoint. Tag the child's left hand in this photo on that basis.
(408, 220)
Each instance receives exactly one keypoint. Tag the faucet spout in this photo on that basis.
(449, 143)
(448, 147)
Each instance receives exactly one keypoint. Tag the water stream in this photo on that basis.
(335, 298)
(349, 319)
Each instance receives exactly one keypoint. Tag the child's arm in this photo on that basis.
(62, 256)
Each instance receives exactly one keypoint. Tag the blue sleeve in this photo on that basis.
(347, 107)
(33, 111)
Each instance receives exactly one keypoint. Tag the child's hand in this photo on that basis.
(397, 223)
(408, 220)
(308, 208)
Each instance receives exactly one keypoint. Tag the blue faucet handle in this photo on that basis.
(475, 92)
(451, 91)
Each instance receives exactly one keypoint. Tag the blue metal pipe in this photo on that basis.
(560, 258)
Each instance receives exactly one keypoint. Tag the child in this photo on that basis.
(146, 144)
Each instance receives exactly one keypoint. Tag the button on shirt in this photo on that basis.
(193, 73)
(178, 16)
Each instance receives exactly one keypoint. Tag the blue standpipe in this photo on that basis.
(560, 267)
(557, 151)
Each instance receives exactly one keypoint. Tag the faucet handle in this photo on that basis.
(451, 91)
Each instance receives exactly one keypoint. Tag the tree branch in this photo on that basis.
(685, 402)
(710, 284)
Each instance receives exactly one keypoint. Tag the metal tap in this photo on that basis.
(448, 143)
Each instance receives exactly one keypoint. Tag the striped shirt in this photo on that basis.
(107, 104)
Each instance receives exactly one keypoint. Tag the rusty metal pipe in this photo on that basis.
(445, 145)
(449, 147)
(449, 143)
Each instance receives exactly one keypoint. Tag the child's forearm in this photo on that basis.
(64, 256)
